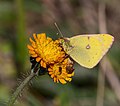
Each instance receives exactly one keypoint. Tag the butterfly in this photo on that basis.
(87, 50)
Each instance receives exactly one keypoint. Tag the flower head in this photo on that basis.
(51, 55)
(45, 50)
(62, 72)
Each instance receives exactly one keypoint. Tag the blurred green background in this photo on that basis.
(19, 19)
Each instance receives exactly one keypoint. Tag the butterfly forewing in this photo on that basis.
(89, 49)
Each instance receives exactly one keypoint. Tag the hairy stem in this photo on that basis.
(20, 88)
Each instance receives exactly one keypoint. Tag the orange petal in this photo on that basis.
(35, 50)
(31, 52)
(62, 81)
(38, 59)
(43, 64)
(41, 36)
(68, 79)
(49, 69)
(73, 74)
(70, 75)
(30, 47)
(51, 73)
(55, 79)
(32, 41)
(33, 45)
(52, 76)
(34, 55)
(49, 39)
(34, 36)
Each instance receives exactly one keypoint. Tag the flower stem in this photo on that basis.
(20, 88)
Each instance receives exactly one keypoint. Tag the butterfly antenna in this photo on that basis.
(58, 29)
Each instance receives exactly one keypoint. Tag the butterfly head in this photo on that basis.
(65, 43)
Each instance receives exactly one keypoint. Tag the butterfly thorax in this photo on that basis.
(65, 43)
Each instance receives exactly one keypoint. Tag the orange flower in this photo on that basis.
(51, 55)
(62, 72)
(45, 50)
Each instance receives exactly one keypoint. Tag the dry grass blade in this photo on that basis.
(101, 75)
(111, 76)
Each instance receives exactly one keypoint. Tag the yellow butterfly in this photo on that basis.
(87, 50)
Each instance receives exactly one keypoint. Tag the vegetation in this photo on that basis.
(19, 19)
